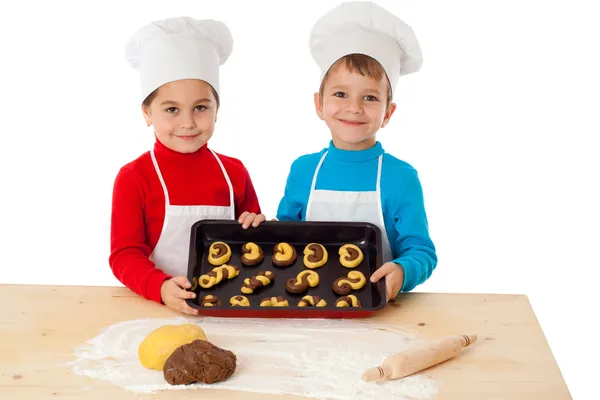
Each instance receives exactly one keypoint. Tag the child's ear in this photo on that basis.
(388, 114)
(147, 115)
(319, 106)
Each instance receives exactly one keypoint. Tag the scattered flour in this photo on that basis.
(312, 358)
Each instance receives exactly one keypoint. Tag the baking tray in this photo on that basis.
(332, 235)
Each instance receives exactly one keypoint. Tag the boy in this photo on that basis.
(161, 194)
(361, 50)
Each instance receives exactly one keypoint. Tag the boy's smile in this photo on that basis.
(354, 108)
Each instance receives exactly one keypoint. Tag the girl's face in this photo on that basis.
(183, 113)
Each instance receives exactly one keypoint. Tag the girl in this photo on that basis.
(161, 194)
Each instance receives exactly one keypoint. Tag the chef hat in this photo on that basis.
(179, 48)
(365, 28)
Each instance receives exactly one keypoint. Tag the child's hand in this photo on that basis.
(173, 294)
(248, 218)
(394, 278)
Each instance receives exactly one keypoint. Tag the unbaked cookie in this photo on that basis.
(314, 301)
(278, 301)
(302, 282)
(348, 301)
(241, 301)
(350, 255)
(315, 255)
(263, 278)
(217, 274)
(354, 281)
(210, 300)
(219, 253)
(284, 254)
(252, 254)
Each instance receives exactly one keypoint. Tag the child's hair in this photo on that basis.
(364, 65)
(152, 95)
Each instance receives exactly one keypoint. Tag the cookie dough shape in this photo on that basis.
(302, 282)
(219, 253)
(217, 275)
(354, 281)
(241, 301)
(252, 254)
(284, 254)
(350, 256)
(158, 345)
(348, 301)
(210, 300)
(256, 282)
(199, 361)
(312, 301)
(278, 301)
(315, 255)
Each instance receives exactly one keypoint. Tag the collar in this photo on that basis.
(355, 155)
(166, 153)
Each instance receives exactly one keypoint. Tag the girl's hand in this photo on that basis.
(173, 294)
(248, 218)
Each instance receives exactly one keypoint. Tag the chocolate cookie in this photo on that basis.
(284, 255)
(219, 253)
(350, 255)
(210, 301)
(301, 283)
(252, 254)
(278, 301)
(312, 301)
(256, 282)
(315, 255)
(354, 281)
(348, 301)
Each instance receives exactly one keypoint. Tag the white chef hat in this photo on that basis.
(179, 48)
(365, 28)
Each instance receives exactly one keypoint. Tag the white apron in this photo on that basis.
(343, 206)
(172, 250)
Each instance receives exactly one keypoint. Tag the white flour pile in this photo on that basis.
(312, 358)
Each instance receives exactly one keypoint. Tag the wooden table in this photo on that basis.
(41, 325)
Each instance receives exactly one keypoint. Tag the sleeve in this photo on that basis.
(415, 249)
(130, 254)
(290, 208)
(247, 200)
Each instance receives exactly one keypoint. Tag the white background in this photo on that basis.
(500, 123)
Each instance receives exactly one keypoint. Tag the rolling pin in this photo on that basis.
(419, 357)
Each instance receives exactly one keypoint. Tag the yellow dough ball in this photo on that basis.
(161, 342)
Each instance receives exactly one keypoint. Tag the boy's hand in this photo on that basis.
(248, 218)
(173, 294)
(394, 278)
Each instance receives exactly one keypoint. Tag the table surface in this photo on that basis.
(43, 325)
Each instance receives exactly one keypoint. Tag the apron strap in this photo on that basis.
(314, 181)
(160, 177)
(231, 197)
(379, 162)
(166, 192)
(313, 185)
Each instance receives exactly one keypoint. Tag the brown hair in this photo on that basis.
(150, 98)
(364, 65)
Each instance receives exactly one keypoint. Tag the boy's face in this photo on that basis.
(354, 108)
(183, 113)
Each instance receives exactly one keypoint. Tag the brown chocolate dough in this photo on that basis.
(199, 361)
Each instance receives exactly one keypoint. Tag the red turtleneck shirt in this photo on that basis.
(138, 207)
